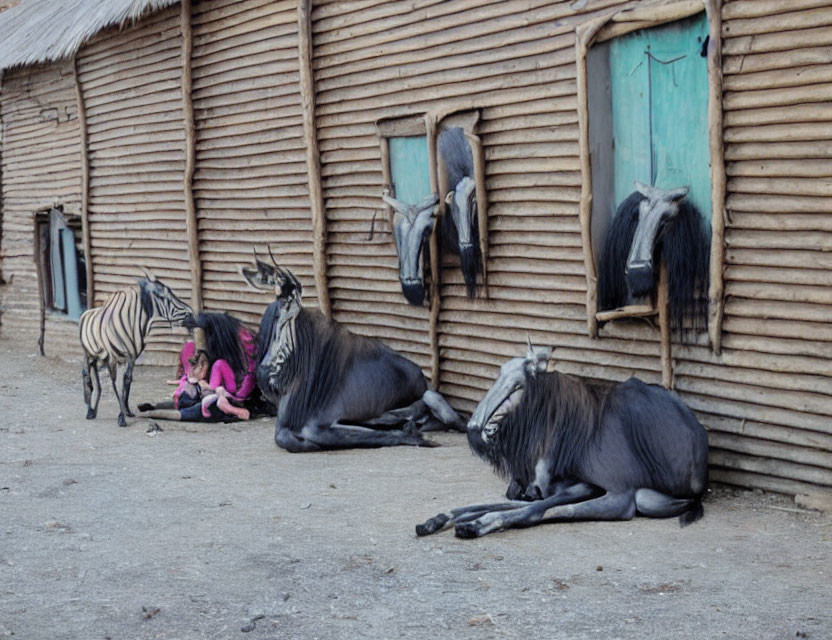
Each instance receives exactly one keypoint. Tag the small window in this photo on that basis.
(61, 270)
(409, 177)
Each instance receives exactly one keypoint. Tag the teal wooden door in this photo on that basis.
(409, 168)
(659, 87)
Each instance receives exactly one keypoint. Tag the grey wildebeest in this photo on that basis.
(460, 224)
(576, 451)
(334, 389)
(651, 223)
(412, 226)
(114, 334)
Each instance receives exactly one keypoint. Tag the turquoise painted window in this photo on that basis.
(659, 100)
(409, 168)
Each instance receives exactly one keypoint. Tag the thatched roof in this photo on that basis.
(37, 31)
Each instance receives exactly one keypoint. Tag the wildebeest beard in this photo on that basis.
(556, 418)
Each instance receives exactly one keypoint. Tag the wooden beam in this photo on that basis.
(85, 185)
(190, 159)
(433, 172)
(313, 158)
(715, 141)
(629, 311)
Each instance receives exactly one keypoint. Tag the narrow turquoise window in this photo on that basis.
(409, 168)
(659, 96)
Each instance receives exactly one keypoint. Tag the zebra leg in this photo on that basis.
(92, 412)
(121, 421)
(125, 387)
(86, 381)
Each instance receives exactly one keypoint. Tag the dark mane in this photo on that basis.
(456, 152)
(682, 244)
(324, 351)
(556, 418)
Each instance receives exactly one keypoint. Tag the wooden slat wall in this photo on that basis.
(250, 183)
(41, 168)
(131, 84)
(769, 409)
(768, 398)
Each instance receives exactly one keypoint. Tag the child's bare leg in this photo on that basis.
(226, 407)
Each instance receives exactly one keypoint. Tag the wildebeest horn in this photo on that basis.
(401, 207)
(147, 274)
(271, 255)
(529, 347)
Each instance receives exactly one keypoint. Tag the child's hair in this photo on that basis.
(199, 358)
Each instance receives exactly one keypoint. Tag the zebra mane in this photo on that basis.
(146, 298)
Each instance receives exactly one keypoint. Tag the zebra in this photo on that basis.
(115, 333)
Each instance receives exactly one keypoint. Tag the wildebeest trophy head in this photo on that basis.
(507, 391)
(161, 302)
(460, 226)
(412, 226)
(655, 211)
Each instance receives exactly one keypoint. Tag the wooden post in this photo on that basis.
(482, 201)
(85, 186)
(715, 289)
(313, 160)
(190, 160)
(664, 326)
(430, 135)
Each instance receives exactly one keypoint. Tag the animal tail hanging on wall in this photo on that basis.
(656, 224)
(460, 226)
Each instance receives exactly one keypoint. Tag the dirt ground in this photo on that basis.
(210, 531)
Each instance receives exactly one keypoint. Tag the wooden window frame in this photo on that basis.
(617, 24)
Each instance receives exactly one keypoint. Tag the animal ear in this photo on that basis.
(290, 286)
(677, 194)
(643, 189)
(256, 278)
(449, 197)
(542, 356)
(150, 277)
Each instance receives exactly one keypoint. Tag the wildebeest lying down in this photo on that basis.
(573, 451)
(331, 387)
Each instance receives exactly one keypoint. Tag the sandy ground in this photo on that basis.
(210, 531)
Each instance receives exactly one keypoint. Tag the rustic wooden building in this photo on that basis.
(182, 135)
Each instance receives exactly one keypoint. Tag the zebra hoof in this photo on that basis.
(121, 421)
(91, 414)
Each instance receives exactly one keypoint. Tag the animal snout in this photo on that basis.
(414, 291)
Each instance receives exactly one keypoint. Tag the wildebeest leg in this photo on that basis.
(125, 388)
(397, 417)
(610, 506)
(655, 504)
(121, 421)
(342, 436)
(564, 492)
(441, 410)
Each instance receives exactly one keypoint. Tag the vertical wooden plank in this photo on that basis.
(190, 159)
(715, 289)
(85, 185)
(435, 301)
(482, 202)
(313, 160)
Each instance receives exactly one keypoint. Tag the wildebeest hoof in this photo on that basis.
(432, 525)
(466, 530)
(121, 421)
(130, 414)
(90, 414)
(145, 406)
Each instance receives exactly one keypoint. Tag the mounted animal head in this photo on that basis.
(460, 224)
(160, 302)
(277, 342)
(658, 207)
(505, 394)
(412, 226)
